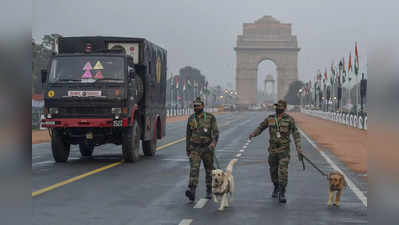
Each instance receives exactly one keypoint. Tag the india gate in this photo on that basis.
(265, 39)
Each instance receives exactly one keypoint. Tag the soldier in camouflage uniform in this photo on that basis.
(281, 125)
(201, 138)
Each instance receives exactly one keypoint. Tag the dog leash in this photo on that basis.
(216, 160)
(314, 166)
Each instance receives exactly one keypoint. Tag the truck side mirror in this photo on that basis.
(44, 76)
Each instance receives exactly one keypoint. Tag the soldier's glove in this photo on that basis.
(212, 146)
(300, 158)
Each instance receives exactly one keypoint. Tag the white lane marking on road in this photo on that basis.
(177, 160)
(201, 203)
(35, 157)
(244, 147)
(186, 222)
(44, 162)
(225, 151)
(238, 155)
(242, 150)
(52, 161)
(351, 185)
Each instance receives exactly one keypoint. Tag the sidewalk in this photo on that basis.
(347, 143)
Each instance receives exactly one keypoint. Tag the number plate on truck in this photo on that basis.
(117, 123)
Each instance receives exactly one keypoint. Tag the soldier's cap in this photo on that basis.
(281, 104)
(198, 101)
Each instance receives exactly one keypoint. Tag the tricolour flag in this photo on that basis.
(350, 62)
(356, 60)
(325, 74)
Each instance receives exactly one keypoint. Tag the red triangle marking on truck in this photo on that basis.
(87, 74)
(99, 75)
(87, 66)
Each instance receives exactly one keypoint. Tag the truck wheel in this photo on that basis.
(86, 150)
(59, 148)
(150, 147)
(131, 143)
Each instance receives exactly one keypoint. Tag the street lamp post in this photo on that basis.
(300, 97)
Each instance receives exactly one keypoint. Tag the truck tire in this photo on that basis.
(131, 143)
(59, 148)
(150, 146)
(86, 150)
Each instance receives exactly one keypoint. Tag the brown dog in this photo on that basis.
(223, 185)
(336, 183)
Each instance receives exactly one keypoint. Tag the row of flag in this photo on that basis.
(340, 72)
(177, 83)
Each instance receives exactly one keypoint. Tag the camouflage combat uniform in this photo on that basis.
(201, 131)
(279, 148)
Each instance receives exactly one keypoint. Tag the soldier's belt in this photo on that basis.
(200, 145)
(279, 149)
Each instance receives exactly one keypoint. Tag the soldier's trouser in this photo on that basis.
(278, 166)
(195, 161)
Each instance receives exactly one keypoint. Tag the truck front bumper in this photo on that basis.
(85, 122)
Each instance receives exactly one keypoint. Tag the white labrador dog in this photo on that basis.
(223, 185)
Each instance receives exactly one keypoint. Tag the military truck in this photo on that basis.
(101, 90)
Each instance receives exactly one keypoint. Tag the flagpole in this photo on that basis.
(357, 92)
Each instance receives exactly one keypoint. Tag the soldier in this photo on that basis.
(201, 138)
(281, 125)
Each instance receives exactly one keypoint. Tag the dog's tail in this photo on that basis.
(229, 169)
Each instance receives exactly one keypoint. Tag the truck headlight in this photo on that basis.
(116, 110)
(53, 110)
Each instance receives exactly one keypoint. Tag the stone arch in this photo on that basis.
(266, 82)
(265, 39)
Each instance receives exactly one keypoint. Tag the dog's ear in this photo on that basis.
(342, 180)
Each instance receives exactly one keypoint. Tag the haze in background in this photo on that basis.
(203, 33)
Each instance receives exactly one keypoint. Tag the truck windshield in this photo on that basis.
(87, 69)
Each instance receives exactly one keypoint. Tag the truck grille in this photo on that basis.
(86, 111)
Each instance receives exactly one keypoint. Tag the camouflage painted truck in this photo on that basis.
(101, 90)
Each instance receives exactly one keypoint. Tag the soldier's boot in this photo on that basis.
(209, 192)
(190, 194)
(281, 196)
(276, 190)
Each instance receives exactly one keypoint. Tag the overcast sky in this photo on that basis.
(203, 33)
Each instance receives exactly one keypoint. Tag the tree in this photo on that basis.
(40, 59)
(49, 41)
(292, 97)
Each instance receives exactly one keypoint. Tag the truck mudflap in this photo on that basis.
(85, 122)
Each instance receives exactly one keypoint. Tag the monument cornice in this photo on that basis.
(260, 49)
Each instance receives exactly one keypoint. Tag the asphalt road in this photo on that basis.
(151, 191)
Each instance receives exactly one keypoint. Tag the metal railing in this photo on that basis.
(348, 119)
